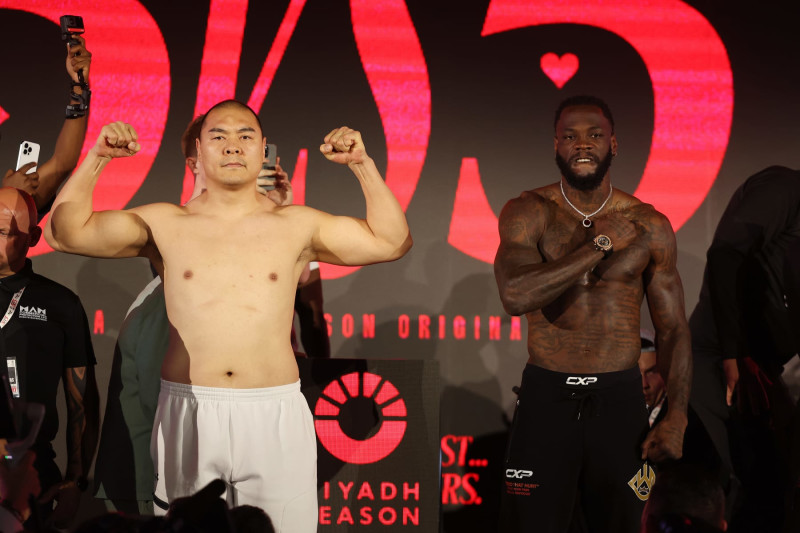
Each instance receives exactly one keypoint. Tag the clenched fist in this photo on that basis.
(117, 139)
(344, 145)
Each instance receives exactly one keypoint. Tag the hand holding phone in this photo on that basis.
(28, 153)
(273, 182)
(267, 179)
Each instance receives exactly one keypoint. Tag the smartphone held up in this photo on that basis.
(270, 161)
(28, 153)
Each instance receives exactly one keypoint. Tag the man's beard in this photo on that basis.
(584, 183)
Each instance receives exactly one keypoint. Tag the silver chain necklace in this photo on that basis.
(586, 222)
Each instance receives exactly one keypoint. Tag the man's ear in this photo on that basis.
(191, 162)
(35, 235)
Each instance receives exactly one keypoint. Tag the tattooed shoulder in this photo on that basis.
(529, 204)
(523, 218)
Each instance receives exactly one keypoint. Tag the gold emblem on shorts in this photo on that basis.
(643, 482)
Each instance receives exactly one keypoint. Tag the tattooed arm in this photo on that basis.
(665, 301)
(526, 280)
(83, 416)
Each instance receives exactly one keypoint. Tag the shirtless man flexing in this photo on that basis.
(576, 258)
(230, 403)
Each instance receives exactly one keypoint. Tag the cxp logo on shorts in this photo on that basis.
(575, 380)
(518, 474)
(360, 418)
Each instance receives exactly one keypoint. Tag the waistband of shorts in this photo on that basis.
(222, 393)
(598, 380)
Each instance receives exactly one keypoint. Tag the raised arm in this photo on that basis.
(49, 176)
(665, 301)
(70, 141)
(73, 225)
(384, 234)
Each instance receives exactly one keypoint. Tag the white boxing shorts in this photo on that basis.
(261, 442)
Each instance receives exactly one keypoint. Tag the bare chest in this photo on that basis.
(262, 249)
(566, 235)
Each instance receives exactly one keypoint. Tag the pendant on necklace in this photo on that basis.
(586, 223)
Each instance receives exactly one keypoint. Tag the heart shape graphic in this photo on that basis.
(559, 69)
(678, 77)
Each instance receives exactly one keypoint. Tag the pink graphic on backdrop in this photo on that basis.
(132, 87)
(3, 115)
(222, 53)
(275, 54)
(299, 178)
(219, 68)
(559, 69)
(692, 87)
(693, 90)
(473, 226)
(398, 76)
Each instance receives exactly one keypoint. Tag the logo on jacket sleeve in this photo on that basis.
(642, 482)
(33, 312)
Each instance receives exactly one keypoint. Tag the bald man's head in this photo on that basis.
(23, 206)
(18, 229)
(232, 103)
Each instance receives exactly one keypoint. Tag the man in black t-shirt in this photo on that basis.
(744, 329)
(45, 338)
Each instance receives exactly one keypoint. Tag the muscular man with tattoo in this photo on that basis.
(577, 258)
(44, 338)
(231, 261)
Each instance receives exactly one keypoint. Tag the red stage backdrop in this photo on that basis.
(455, 100)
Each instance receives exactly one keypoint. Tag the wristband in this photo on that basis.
(79, 110)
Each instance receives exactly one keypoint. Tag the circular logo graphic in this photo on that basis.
(360, 418)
